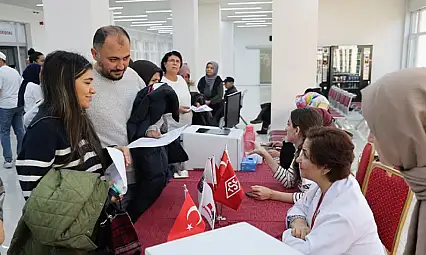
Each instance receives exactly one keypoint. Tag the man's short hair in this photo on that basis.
(103, 32)
(229, 79)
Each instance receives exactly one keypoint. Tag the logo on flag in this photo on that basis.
(232, 186)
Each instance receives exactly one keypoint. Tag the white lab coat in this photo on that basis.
(344, 224)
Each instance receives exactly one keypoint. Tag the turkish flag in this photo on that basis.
(229, 191)
(222, 167)
(189, 221)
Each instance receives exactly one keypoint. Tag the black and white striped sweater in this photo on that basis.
(46, 146)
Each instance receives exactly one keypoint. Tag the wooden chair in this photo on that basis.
(389, 198)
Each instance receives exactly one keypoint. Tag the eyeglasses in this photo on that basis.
(174, 61)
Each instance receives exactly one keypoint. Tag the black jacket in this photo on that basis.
(217, 90)
(150, 164)
(148, 109)
(231, 91)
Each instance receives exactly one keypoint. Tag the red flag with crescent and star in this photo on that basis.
(189, 221)
(229, 191)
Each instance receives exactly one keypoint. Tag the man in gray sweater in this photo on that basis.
(116, 86)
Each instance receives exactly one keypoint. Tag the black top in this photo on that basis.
(217, 90)
(46, 146)
(230, 91)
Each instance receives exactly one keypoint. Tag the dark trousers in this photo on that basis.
(265, 115)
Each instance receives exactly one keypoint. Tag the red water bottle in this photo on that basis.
(249, 138)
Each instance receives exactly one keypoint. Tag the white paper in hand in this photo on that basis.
(116, 172)
(165, 139)
(203, 108)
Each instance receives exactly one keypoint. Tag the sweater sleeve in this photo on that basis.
(287, 176)
(38, 153)
(219, 96)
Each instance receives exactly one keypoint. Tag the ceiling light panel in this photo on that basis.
(249, 3)
(149, 22)
(243, 21)
(116, 8)
(131, 16)
(262, 25)
(256, 19)
(248, 16)
(254, 12)
(159, 11)
(241, 9)
(128, 20)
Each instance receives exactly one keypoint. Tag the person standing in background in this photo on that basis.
(171, 64)
(35, 57)
(185, 72)
(211, 87)
(116, 86)
(10, 114)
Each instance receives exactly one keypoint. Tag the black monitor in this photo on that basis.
(232, 109)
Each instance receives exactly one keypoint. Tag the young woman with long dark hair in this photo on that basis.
(62, 137)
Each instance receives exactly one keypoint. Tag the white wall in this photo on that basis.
(227, 37)
(24, 15)
(247, 63)
(209, 37)
(377, 22)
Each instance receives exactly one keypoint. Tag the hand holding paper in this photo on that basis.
(117, 171)
(203, 108)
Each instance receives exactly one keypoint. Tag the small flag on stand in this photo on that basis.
(229, 191)
(207, 205)
(188, 222)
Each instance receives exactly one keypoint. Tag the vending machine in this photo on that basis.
(350, 68)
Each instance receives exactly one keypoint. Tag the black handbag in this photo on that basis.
(176, 153)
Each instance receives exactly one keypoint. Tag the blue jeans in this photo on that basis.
(11, 118)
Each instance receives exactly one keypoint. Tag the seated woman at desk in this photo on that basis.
(287, 172)
(333, 217)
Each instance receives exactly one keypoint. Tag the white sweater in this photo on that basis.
(182, 92)
(111, 108)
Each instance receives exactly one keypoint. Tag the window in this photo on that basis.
(416, 55)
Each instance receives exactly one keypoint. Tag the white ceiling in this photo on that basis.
(140, 8)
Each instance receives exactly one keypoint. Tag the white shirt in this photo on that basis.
(10, 82)
(32, 95)
(344, 224)
(184, 97)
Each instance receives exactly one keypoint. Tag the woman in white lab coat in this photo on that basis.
(333, 218)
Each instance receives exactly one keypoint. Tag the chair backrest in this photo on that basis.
(365, 160)
(389, 198)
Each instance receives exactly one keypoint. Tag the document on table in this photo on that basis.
(116, 172)
(203, 108)
(165, 139)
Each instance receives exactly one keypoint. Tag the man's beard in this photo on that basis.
(108, 73)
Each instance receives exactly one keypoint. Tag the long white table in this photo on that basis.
(240, 238)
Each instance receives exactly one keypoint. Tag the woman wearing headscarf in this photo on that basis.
(395, 110)
(211, 87)
(30, 91)
(185, 72)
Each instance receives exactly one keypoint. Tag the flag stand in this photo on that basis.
(219, 217)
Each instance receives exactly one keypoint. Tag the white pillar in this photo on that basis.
(70, 25)
(294, 52)
(227, 61)
(185, 32)
(210, 34)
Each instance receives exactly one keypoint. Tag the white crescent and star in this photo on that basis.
(194, 209)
